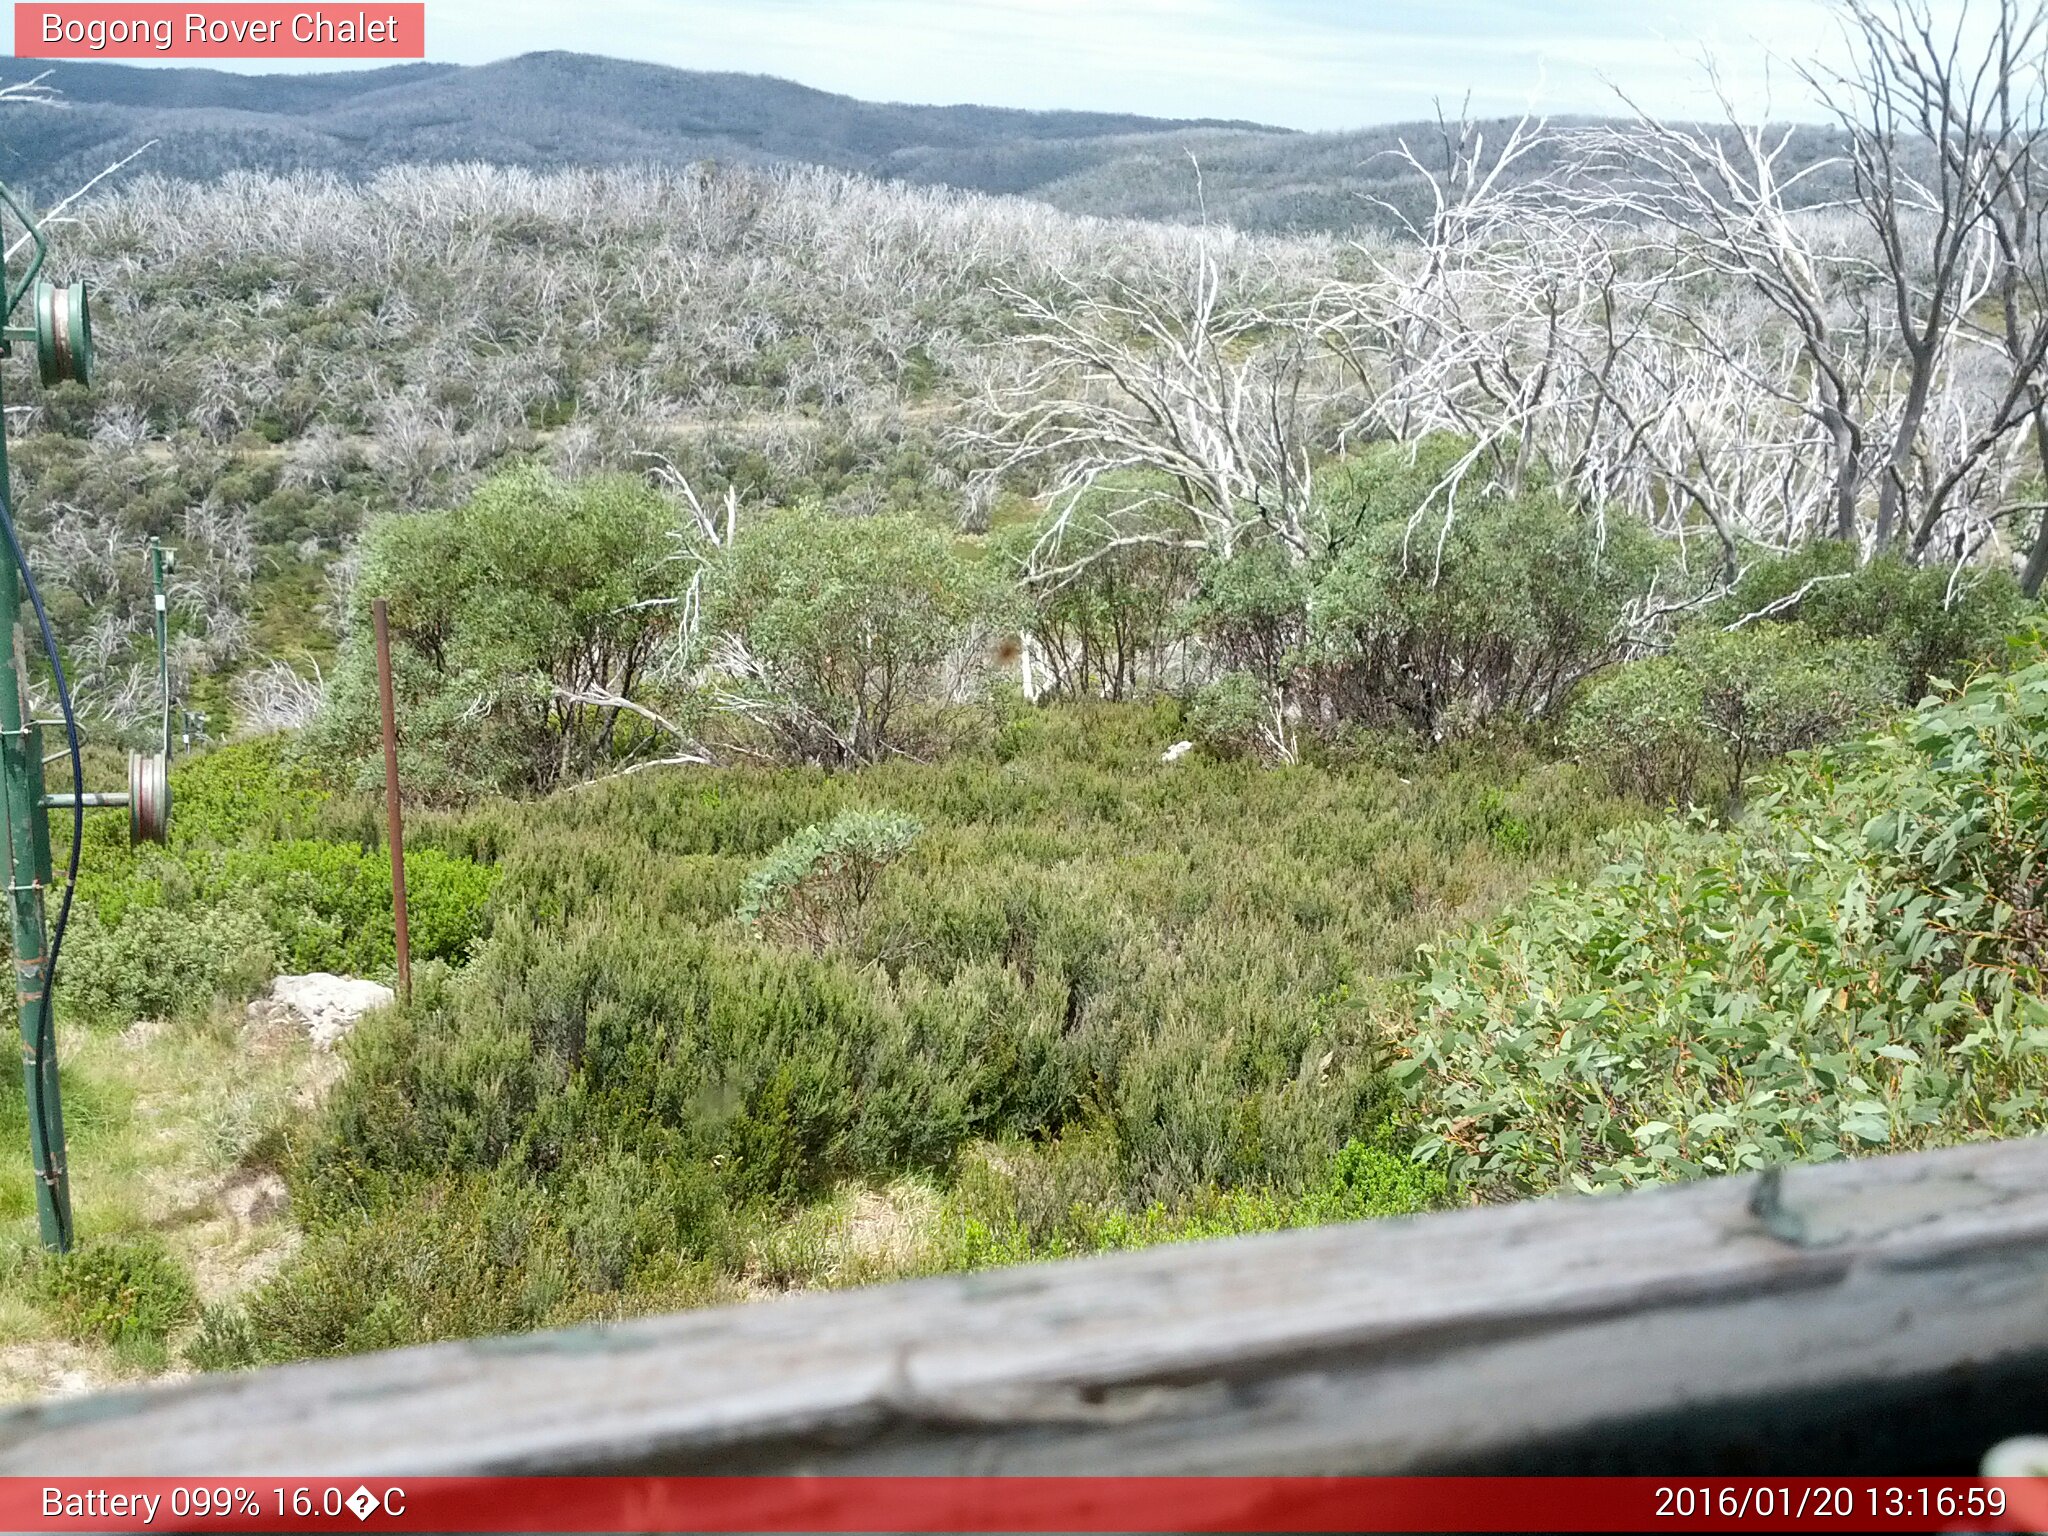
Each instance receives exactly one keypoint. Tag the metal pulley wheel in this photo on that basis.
(149, 798)
(63, 333)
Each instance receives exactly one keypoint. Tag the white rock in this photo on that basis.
(1176, 752)
(326, 1006)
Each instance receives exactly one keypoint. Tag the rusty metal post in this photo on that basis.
(391, 808)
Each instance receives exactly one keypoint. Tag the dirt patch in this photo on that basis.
(52, 1368)
(255, 1196)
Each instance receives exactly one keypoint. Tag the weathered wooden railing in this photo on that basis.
(1885, 1315)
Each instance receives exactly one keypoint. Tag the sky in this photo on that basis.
(1312, 64)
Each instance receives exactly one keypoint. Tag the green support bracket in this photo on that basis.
(38, 767)
(62, 337)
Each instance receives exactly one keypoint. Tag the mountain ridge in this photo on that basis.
(537, 109)
(560, 109)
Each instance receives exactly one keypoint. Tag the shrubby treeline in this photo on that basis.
(1614, 328)
(552, 632)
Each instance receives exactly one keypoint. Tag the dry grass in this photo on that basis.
(170, 1127)
(859, 1236)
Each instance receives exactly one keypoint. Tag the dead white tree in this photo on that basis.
(1180, 408)
(1190, 374)
(1675, 323)
(278, 697)
(1720, 198)
(1943, 121)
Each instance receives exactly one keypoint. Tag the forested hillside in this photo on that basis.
(547, 111)
(939, 731)
(564, 110)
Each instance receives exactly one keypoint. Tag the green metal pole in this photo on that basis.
(163, 639)
(21, 774)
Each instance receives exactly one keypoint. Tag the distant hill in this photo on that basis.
(549, 110)
(539, 110)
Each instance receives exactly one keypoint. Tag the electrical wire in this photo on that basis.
(44, 1039)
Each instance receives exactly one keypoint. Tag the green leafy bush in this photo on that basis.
(1931, 621)
(1032, 1202)
(245, 888)
(1857, 967)
(831, 632)
(118, 1291)
(1645, 722)
(1369, 1181)
(1768, 692)
(1724, 704)
(245, 791)
(165, 962)
(462, 1257)
(329, 904)
(1251, 613)
(512, 617)
(1447, 619)
(814, 888)
(1236, 715)
(1108, 581)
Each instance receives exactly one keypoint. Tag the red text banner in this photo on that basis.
(234, 31)
(1022, 1504)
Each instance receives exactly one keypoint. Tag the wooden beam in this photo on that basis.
(1444, 1341)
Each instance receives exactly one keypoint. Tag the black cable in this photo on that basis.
(43, 1030)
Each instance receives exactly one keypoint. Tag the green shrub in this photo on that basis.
(1236, 716)
(832, 632)
(814, 888)
(1856, 967)
(509, 615)
(1767, 692)
(1369, 1180)
(224, 1341)
(329, 904)
(165, 962)
(1450, 618)
(118, 1291)
(1645, 723)
(245, 791)
(1062, 1198)
(244, 889)
(1723, 704)
(1108, 581)
(1931, 621)
(1251, 613)
(461, 1257)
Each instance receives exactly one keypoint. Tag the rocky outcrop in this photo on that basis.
(325, 1007)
